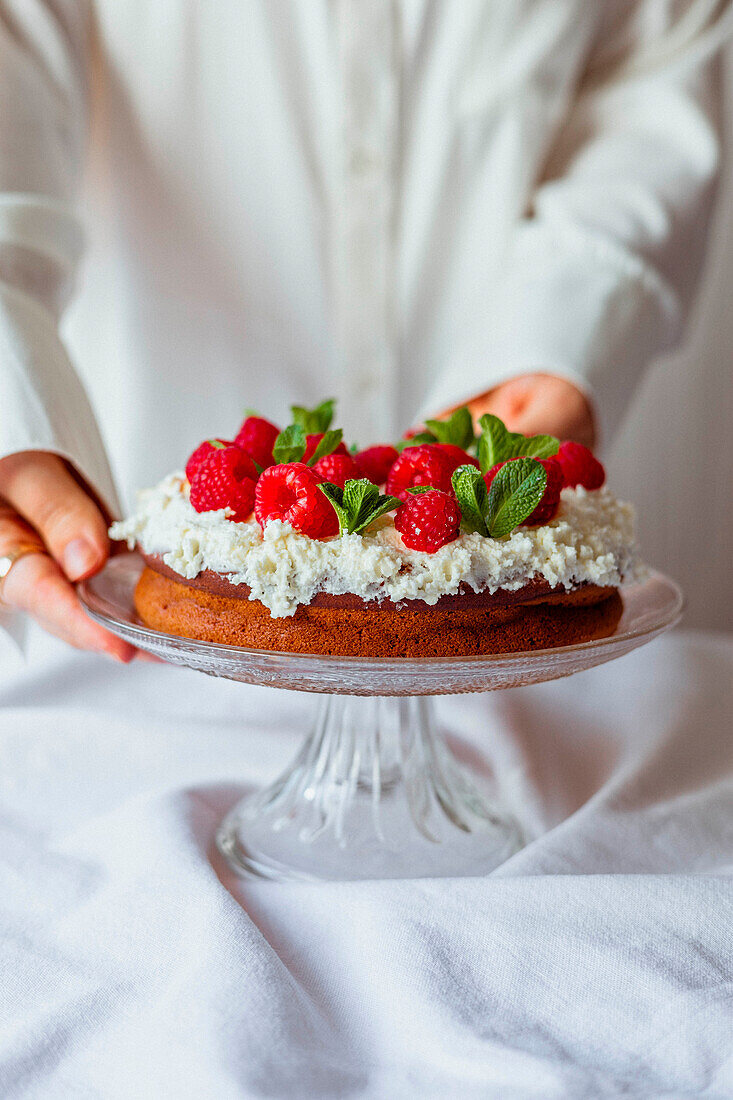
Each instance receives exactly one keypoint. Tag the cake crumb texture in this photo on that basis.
(378, 629)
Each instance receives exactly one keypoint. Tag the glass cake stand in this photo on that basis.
(375, 791)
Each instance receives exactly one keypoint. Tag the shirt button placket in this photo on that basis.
(365, 267)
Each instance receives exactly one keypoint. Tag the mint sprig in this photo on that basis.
(497, 443)
(316, 420)
(327, 445)
(456, 429)
(494, 443)
(291, 443)
(472, 496)
(358, 504)
(515, 492)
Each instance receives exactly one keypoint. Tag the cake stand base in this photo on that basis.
(375, 792)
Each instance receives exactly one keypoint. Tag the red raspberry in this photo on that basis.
(423, 465)
(201, 453)
(290, 492)
(376, 462)
(337, 468)
(580, 466)
(312, 441)
(547, 507)
(457, 455)
(257, 437)
(428, 521)
(226, 479)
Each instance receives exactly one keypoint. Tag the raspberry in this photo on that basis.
(580, 466)
(457, 455)
(312, 441)
(423, 465)
(201, 453)
(290, 492)
(376, 462)
(257, 437)
(225, 479)
(337, 468)
(428, 521)
(547, 507)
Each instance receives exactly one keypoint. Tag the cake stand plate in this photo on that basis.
(375, 792)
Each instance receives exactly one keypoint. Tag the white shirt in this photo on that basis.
(396, 203)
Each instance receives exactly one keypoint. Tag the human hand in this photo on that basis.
(42, 505)
(539, 403)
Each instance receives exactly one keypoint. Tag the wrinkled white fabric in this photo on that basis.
(597, 962)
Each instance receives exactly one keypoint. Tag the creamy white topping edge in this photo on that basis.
(591, 539)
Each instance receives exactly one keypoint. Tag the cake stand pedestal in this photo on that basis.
(375, 791)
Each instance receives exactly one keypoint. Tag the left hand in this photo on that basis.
(538, 403)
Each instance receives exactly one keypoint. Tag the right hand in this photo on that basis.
(41, 502)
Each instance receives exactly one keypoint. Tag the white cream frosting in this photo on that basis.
(590, 540)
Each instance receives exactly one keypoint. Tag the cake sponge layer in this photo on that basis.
(348, 626)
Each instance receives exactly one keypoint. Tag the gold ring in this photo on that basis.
(8, 560)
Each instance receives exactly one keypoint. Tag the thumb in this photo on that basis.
(42, 490)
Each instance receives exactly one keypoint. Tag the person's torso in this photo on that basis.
(304, 198)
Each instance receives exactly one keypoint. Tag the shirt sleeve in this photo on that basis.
(43, 126)
(600, 274)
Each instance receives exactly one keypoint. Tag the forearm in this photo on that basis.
(599, 275)
(44, 501)
(43, 124)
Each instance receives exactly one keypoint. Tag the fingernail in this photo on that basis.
(78, 558)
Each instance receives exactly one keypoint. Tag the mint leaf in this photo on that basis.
(417, 489)
(515, 492)
(472, 497)
(495, 442)
(457, 429)
(365, 503)
(358, 504)
(327, 446)
(336, 495)
(290, 444)
(534, 446)
(314, 421)
(384, 504)
(360, 497)
(415, 441)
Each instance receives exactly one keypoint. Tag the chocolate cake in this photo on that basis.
(536, 616)
(463, 555)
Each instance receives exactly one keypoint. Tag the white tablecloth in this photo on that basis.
(598, 962)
